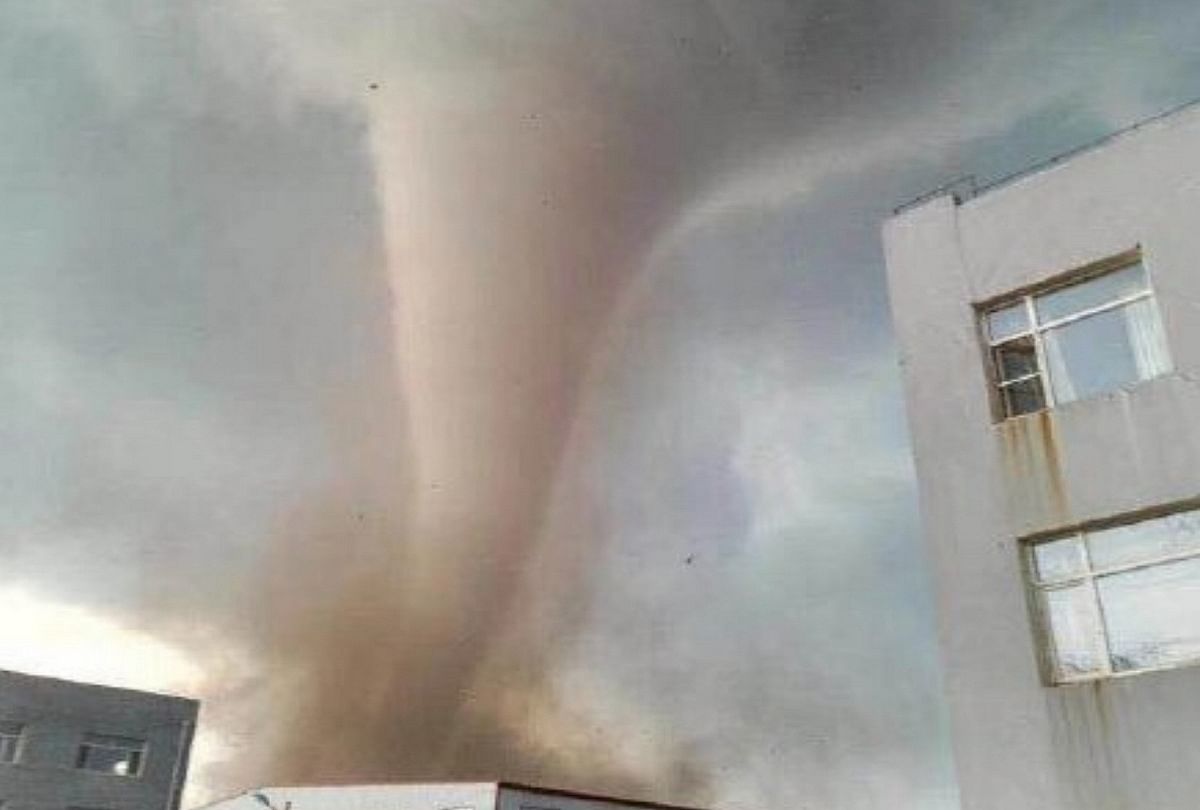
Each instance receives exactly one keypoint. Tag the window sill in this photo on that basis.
(133, 777)
(1124, 674)
(1131, 389)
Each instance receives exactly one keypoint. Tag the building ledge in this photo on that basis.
(967, 187)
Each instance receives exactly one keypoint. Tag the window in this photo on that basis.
(1077, 340)
(1120, 599)
(10, 740)
(120, 756)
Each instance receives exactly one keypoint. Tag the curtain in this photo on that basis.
(1060, 373)
(1146, 339)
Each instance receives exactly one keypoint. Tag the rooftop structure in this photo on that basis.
(428, 796)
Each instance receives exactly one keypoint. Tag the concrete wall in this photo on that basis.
(57, 714)
(1127, 743)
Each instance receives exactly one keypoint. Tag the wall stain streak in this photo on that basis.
(1087, 739)
(1033, 472)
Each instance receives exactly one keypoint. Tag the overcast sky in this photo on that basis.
(449, 389)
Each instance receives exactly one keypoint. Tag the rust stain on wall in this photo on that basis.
(1048, 445)
(1033, 472)
(1087, 746)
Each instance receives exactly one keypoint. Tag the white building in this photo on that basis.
(1050, 337)
(435, 796)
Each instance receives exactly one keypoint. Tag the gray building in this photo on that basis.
(1049, 331)
(75, 746)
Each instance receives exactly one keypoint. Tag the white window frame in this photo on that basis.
(140, 746)
(1036, 329)
(1090, 576)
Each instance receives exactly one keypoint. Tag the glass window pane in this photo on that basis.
(1076, 633)
(1092, 356)
(1059, 559)
(1091, 293)
(1153, 614)
(131, 765)
(1146, 540)
(120, 761)
(1016, 358)
(1009, 321)
(1023, 397)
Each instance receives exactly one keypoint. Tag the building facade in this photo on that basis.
(74, 746)
(1049, 332)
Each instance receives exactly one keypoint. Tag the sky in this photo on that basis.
(445, 389)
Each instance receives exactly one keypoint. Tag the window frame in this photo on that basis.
(142, 748)
(17, 737)
(1035, 587)
(1036, 330)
